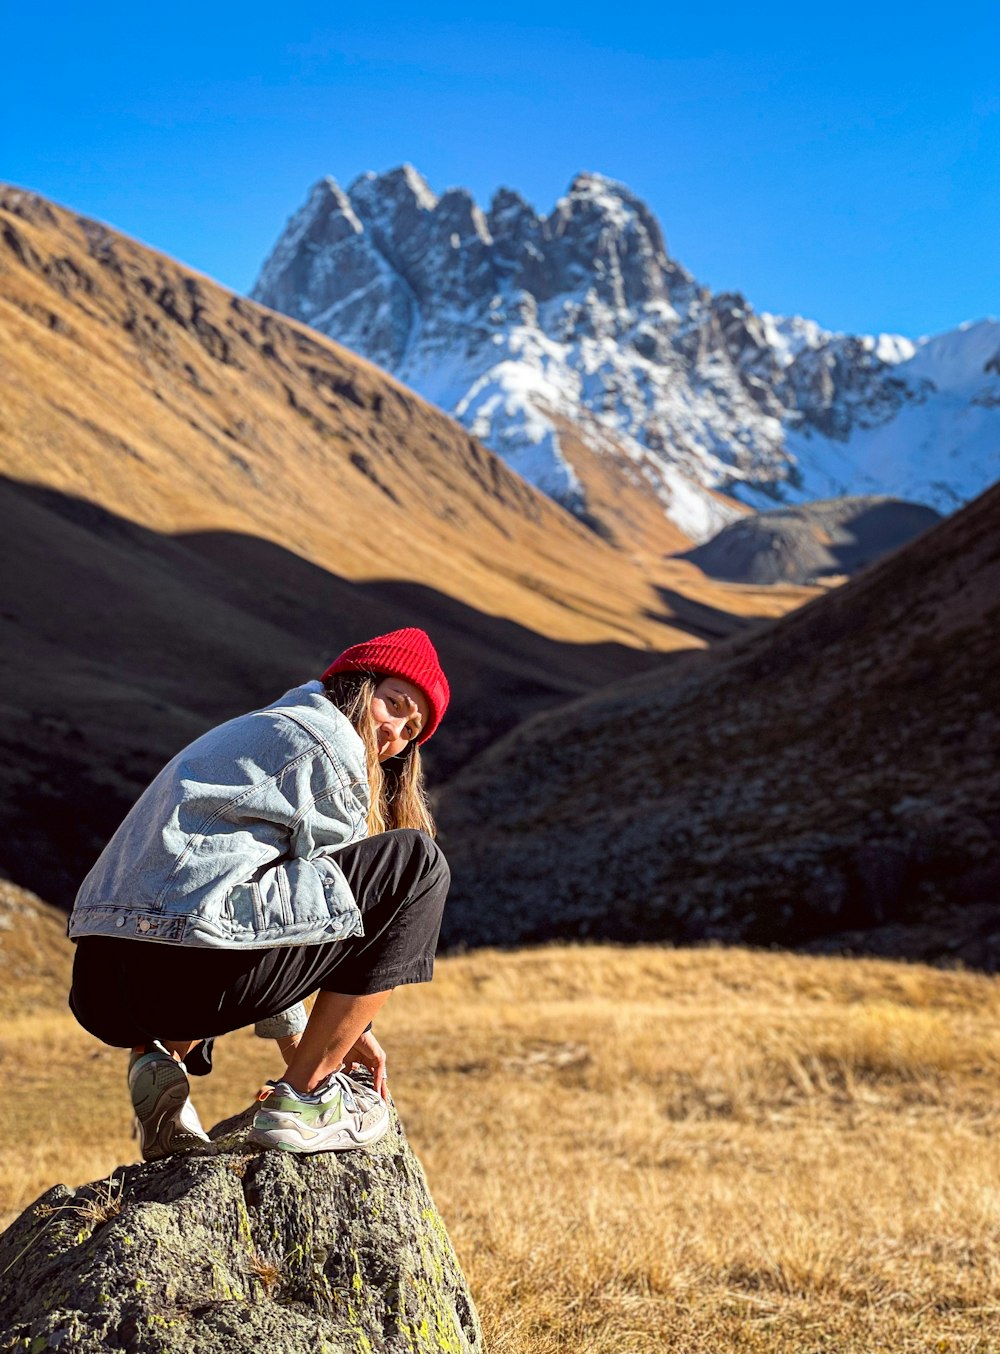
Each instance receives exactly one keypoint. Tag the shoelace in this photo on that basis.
(313, 1097)
(349, 1091)
(347, 1094)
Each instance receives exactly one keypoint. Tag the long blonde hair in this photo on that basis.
(398, 797)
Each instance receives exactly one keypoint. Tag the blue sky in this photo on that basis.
(841, 162)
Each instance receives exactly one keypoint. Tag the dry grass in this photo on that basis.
(638, 1150)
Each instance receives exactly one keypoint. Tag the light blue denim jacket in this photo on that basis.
(234, 843)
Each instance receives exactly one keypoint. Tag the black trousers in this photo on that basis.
(128, 991)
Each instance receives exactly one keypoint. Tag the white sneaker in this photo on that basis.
(340, 1114)
(168, 1122)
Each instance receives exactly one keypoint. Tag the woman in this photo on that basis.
(288, 850)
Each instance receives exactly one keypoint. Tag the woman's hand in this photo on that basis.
(369, 1053)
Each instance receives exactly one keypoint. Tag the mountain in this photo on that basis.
(835, 772)
(524, 326)
(200, 502)
(827, 539)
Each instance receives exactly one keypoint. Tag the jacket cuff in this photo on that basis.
(292, 1021)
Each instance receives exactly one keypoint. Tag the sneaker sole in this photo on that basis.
(160, 1134)
(288, 1135)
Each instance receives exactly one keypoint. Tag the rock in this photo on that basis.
(240, 1249)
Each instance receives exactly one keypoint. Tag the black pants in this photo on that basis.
(128, 992)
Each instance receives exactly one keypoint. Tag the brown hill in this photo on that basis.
(834, 773)
(810, 542)
(133, 382)
(35, 956)
(203, 500)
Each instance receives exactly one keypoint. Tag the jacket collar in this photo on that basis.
(310, 699)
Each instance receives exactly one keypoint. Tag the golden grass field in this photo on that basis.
(701, 1151)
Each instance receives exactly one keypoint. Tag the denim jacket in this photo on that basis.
(235, 841)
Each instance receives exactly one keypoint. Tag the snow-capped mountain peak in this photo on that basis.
(522, 325)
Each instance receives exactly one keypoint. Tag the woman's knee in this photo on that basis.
(423, 847)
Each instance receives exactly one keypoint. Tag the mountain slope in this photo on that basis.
(835, 771)
(200, 501)
(35, 956)
(133, 382)
(521, 324)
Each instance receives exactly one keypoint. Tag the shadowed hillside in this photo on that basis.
(834, 773)
(812, 542)
(118, 645)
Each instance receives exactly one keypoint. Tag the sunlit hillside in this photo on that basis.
(139, 384)
(638, 1150)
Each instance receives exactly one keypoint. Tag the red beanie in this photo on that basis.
(405, 653)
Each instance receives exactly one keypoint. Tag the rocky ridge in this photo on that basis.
(513, 321)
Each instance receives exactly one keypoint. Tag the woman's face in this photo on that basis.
(400, 710)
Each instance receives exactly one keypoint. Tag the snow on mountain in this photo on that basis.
(516, 323)
(941, 447)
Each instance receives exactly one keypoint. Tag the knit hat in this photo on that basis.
(405, 653)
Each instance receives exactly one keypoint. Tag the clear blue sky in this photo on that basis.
(839, 161)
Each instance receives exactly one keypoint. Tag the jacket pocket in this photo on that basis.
(284, 898)
(244, 907)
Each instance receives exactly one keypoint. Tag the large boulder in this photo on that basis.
(239, 1250)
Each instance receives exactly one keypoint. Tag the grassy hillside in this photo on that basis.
(642, 1149)
(835, 772)
(136, 383)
